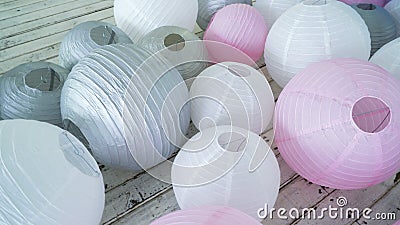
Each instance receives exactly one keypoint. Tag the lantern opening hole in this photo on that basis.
(43, 79)
(74, 130)
(371, 114)
(174, 42)
(103, 35)
(239, 70)
(365, 6)
(232, 141)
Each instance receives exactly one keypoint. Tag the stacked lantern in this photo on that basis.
(389, 58)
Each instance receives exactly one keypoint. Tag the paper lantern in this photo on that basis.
(208, 8)
(393, 7)
(86, 37)
(313, 31)
(227, 166)
(337, 124)
(32, 91)
(247, 100)
(380, 3)
(247, 32)
(389, 58)
(126, 106)
(181, 47)
(381, 24)
(137, 17)
(273, 9)
(211, 215)
(47, 176)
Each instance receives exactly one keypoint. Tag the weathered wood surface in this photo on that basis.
(32, 30)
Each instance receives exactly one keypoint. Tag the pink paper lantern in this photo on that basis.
(212, 215)
(337, 124)
(240, 26)
(380, 3)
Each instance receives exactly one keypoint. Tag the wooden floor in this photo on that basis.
(32, 30)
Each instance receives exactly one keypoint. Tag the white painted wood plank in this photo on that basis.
(9, 5)
(48, 16)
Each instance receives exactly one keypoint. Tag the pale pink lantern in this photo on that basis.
(240, 26)
(380, 3)
(337, 124)
(212, 215)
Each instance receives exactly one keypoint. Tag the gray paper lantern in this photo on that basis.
(181, 47)
(207, 9)
(381, 24)
(130, 114)
(86, 37)
(32, 91)
(393, 7)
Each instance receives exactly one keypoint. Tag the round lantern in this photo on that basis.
(273, 9)
(32, 91)
(313, 31)
(393, 7)
(86, 37)
(246, 101)
(48, 176)
(381, 24)
(227, 166)
(211, 215)
(388, 57)
(380, 3)
(247, 32)
(337, 124)
(127, 106)
(137, 17)
(208, 8)
(181, 47)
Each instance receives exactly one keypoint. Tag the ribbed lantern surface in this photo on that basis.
(388, 57)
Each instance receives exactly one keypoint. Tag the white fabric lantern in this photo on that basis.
(86, 37)
(388, 57)
(393, 7)
(232, 93)
(181, 47)
(137, 17)
(127, 106)
(32, 91)
(273, 9)
(226, 166)
(313, 31)
(47, 177)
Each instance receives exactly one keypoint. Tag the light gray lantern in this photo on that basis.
(181, 47)
(86, 37)
(32, 91)
(127, 106)
(207, 9)
(381, 24)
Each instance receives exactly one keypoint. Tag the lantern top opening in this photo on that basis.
(43, 79)
(232, 142)
(103, 35)
(366, 6)
(174, 42)
(371, 114)
(316, 2)
(239, 70)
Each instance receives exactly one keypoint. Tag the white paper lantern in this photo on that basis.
(226, 166)
(232, 93)
(273, 9)
(313, 31)
(208, 8)
(86, 37)
(137, 17)
(393, 7)
(126, 106)
(47, 177)
(181, 47)
(389, 57)
(32, 91)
